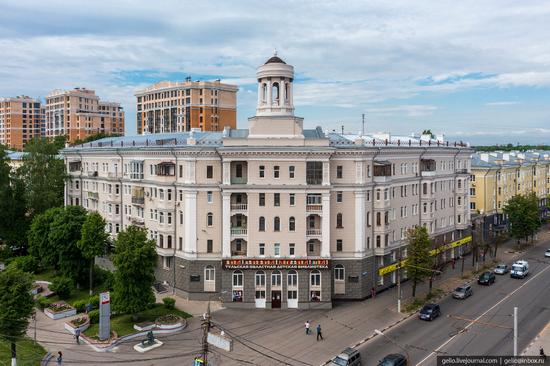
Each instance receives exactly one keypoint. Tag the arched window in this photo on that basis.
(276, 278)
(311, 222)
(292, 278)
(315, 286)
(237, 278)
(339, 223)
(161, 241)
(209, 273)
(276, 224)
(339, 272)
(275, 92)
(315, 278)
(209, 219)
(286, 91)
(259, 279)
(169, 242)
(264, 92)
(261, 224)
(291, 224)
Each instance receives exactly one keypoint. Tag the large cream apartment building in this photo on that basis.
(277, 216)
(79, 112)
(180, 106)
(21, 120)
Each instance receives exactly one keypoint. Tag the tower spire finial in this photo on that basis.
(275, 52)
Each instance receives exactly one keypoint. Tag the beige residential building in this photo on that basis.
(79, 112)
(21, 120)
(277, 216)
(167, 106)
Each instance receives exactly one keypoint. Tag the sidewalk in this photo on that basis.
(542, 340)
(278, 333)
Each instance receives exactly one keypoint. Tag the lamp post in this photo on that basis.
(395, 343)
(206, 324)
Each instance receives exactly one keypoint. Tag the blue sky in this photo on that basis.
(476, 71)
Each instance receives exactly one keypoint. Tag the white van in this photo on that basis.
(520, 269)
(348, 357)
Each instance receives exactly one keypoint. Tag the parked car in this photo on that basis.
(520, 269)
(501, 269)
(429, 312)
(462, 292)
(394, 359)
(486, 278)
(348, 357)
(547, 253)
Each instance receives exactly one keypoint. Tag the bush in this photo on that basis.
(94, 301)
(169, 302)
(80, 305)
(25, 263)
(103, 278)
(62, 286)
(43, 302)
(94, 316)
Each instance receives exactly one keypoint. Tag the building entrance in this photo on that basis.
(275, 299)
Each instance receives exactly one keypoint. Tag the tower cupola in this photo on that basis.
(275, 93)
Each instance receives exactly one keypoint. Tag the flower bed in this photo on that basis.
(169, 321)
(81, 324)
(144, 326)
(59, 310)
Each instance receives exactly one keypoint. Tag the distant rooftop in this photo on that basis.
(497, 159)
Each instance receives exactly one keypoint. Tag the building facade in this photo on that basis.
(180, 106)
(498, 176)
(21, 120)
(277, 216)
(79, 112)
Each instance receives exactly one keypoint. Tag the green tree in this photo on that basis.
(523, 216)
(135, 259)
(38, 237)
(63, 237)
(94, 137)
(428, 132)
(43, 173)
(419, 262)
(93, 241)
(16, 306)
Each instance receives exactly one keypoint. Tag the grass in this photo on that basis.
(28, 353)
(47, 275)
(124, 324)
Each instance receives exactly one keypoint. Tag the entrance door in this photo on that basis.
(275, 299)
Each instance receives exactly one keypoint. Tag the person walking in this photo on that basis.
(307, 325)
(542, 354)
(77, 336)
(59, 358)
(319, 333)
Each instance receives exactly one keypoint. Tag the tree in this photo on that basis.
(523, 216)
(93, 239)
(419, 262)
(43, 173)
(135, 260)
(428, 132)
(38, 238)
(94, 137)
(16, 306)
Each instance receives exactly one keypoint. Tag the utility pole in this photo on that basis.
(363, 126)
(205, 330)
(515, 331)
(342, 129)
(34, 320)
(398, 279)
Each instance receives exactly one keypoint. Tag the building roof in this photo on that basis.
(275, 60)
(509, 159)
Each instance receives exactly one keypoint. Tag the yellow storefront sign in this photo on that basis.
(392, 267)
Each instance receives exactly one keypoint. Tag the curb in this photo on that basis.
(47, 357)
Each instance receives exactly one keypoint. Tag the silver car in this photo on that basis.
(501, 269)
(462, 292)
(547, 253)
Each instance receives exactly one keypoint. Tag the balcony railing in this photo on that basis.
(137, 221)
(314, 208)
(92, 174)
(238, 180)
(239, 231)
(93, 195)
(113, 174)
(239, 252)
(313, 232)
(239, 206)
(138, 200)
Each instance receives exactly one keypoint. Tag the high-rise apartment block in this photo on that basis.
(79, 112)
(275, 215)
(180, 106)
(21, 119)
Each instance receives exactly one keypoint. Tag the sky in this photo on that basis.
(477, 71)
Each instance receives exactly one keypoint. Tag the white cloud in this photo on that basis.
(502, 103)
(410, 110)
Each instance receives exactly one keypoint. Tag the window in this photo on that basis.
(209, 273)
(180, 243)
(276, 249)
(314, 172)
(262, 199)
(368, 219)
(209, 246)
(292, 199)
(339, 272)
(238, 279)
(262, 249)
(339, 195)
(292, 278)
(291, 224)
(339, 171)
(315, 278)
(291, 249)
(259, 279)
(339, 223)
(276, 224)
(276, 199)
(166, 262)
(291, 171)
(209, 171)
(209, 196)
(276, 171)
(261, 224)
(262, 171)
(209, 219)
(276, 278)
(238, 170)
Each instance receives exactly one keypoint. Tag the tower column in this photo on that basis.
(269, 96)
(282, 93)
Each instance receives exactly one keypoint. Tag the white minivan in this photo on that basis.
(520, 269)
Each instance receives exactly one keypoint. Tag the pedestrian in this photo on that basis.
(319, 333)
(77, 336)
(59, 358)
(541, 353)
(307, 325)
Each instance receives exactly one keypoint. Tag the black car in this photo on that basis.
(429, 312)
(394, 359)
(486, 278)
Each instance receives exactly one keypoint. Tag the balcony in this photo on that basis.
(92, 173)
(93, 195)
(382, 204)
(314, 208)
(462, 171)
(137, 221)
(313, 248)
(314, 232)
(239, 232)
(239, 207)
(114, 175)
(428, 173)
(138, 200)
(238, 247)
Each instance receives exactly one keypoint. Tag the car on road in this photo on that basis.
(348, 357)
(547, 253)
(462, 292)
(486, 278)
(394, 359)
(429, 312)
(520, 269)
(501, 269)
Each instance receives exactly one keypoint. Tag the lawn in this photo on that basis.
(47, 275)
(124, 324)
(28, 353)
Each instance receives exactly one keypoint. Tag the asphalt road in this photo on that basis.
(479, 325)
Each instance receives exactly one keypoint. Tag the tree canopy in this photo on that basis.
(523, 215)
(16, 304)
(419, 261)
(93, 240)
(135, 260)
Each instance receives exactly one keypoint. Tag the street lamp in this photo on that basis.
(395, 343)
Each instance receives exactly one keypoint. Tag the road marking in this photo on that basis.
(482, 315)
